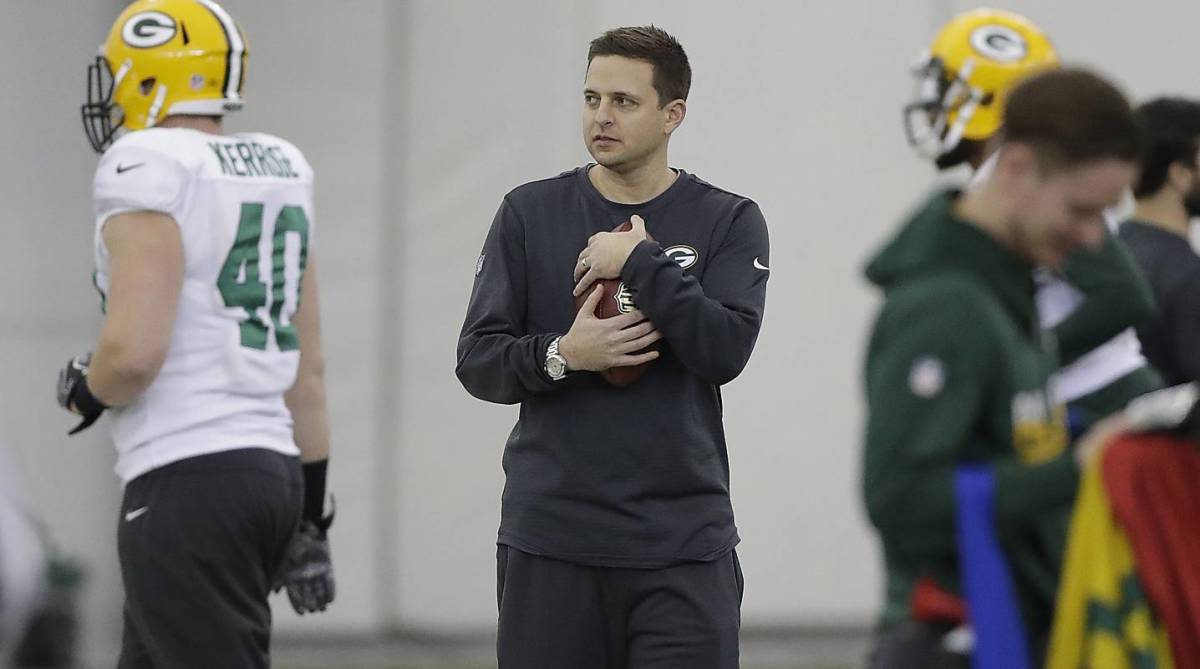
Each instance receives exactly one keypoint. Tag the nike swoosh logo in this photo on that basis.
(758, 265)
(121, 169)
(136, 513)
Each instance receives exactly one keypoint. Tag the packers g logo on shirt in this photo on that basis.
(684, 255)
(145, 30)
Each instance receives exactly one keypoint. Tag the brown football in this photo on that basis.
(616, 300)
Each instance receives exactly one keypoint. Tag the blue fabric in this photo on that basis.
(1077, 422)
(1000, 641)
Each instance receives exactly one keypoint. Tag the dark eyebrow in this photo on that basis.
(615, 94)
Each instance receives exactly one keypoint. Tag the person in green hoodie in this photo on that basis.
(958, 368)
(1095, 300)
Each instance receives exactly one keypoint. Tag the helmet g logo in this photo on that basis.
(148, 29)
(999, 43)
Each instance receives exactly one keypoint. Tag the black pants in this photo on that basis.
(915, 645)
(560, 615)
(920, 645)
(200, 541)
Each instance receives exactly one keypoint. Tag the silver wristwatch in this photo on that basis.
(556, 365)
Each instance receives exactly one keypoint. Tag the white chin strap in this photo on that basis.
(966, 110)
(120, 73)
(156, 108)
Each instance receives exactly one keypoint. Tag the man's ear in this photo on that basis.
(1181, 176)
(676, 110)
(1017, 162)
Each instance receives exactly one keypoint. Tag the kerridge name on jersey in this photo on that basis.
(246, 226)
(244, 159)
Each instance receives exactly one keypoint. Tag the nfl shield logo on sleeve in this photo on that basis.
(927, 377)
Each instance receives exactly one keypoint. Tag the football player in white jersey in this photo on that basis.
(209, 360)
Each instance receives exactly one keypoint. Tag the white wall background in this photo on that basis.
(418, 117)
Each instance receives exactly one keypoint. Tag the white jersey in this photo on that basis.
(243, 204)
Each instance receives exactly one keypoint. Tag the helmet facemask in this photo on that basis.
(942, 106)
(101, 118)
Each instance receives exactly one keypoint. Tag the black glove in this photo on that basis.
(307, 571)
(74, 395)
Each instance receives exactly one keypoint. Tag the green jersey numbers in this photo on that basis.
(241, 284)
(238, 280)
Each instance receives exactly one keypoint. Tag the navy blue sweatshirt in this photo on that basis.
(599, 475)
(1172, 267)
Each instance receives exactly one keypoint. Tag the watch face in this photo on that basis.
(556, 367)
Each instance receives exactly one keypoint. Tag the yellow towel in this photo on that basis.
(1103, 619)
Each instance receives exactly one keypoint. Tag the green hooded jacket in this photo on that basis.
(956, 372)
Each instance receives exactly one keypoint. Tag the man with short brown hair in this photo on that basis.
(1168, 198)
(616, 542)
(957, 370)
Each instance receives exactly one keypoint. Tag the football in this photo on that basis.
(618, 299)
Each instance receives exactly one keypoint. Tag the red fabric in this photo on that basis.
(932, 604)
(1153, 481)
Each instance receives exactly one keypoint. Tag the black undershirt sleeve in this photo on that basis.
(314, 489)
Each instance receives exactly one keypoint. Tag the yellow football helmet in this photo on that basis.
(164, 57)
(963, 78)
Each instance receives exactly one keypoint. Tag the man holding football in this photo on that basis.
(616, 541)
